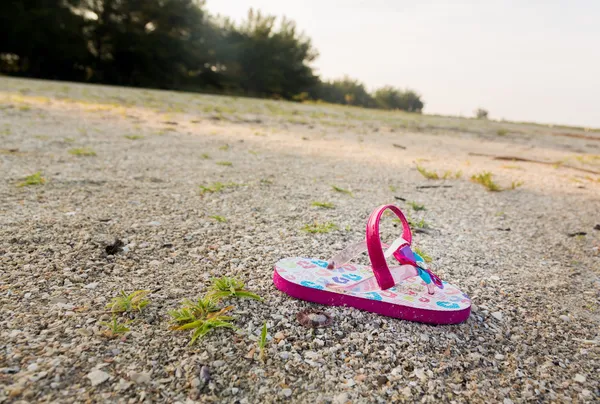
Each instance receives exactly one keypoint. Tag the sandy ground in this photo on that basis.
(528, 257)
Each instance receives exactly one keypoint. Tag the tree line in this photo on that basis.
(173, 44)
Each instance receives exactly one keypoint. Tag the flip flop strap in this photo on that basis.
(381, 270)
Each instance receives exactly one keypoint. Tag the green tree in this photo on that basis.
(262, 58)
(345, 91)
(389, 97)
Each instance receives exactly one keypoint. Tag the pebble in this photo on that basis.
(565, 318)
(341, 398)
(498, 315)
(139, 378)
(499, 357)
(92, 285)
(287, 392)
(205, 374)
(580, 378)
(97, 377)
(382, 380)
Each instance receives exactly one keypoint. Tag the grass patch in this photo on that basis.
(204, 315)
(134, 301)
(416, 207)
(423, 254)
(226, 287)
(262, 342)
(224, 147)
(82, 152)
(516, 184)
(216, 187)
(485, 179)
(341, 190)
(134, 137)
(69, 140)
(450, 174)
(115, 328)
(430, 175)
(225, 163)
(205, 156)
(317, 227)
(32, 180)
(220, 219)
(201, 318)
(501, 132)
(324, 205)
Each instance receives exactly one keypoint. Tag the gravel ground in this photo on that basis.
(521, 254)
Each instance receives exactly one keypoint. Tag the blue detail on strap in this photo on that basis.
(322, 264)
(448, 305)
(313, 285)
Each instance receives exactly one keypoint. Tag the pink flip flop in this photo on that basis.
(409, 291)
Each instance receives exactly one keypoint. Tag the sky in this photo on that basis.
(525, 60)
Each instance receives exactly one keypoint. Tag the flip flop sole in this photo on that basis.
(308, 279)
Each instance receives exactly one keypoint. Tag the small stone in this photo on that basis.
(154, 223)
(218, 363)
(498, 315)
(507, 401)
(279, 336)
(27, 295)
(97, 377)
(420, 373)
(139, 378)
(123, 385)
(33, 367)
(565, 318)
(92, 285)
(360, 378)
(424, 337)
(205, 374)
(494, 278)
(499, 357)
(234, 390)
(341, 398)
(67, 282)
(287, 392)
(580, 378)
(57, 300)
(196, 382)
(382, 380)
(284, 355)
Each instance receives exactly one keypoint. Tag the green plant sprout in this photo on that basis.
(33, 179)
(200, 318)
(225, 287)
(82, 152)
(516, 184)
(324, 205)
(416, 207)
(225, 163)
(134, 301)
(115, 328)
(262, 343)
(341, 190)
(430, 175)
(423, 254)
(317, 227)
(133, 137)
(220, 219)
(485, 179)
